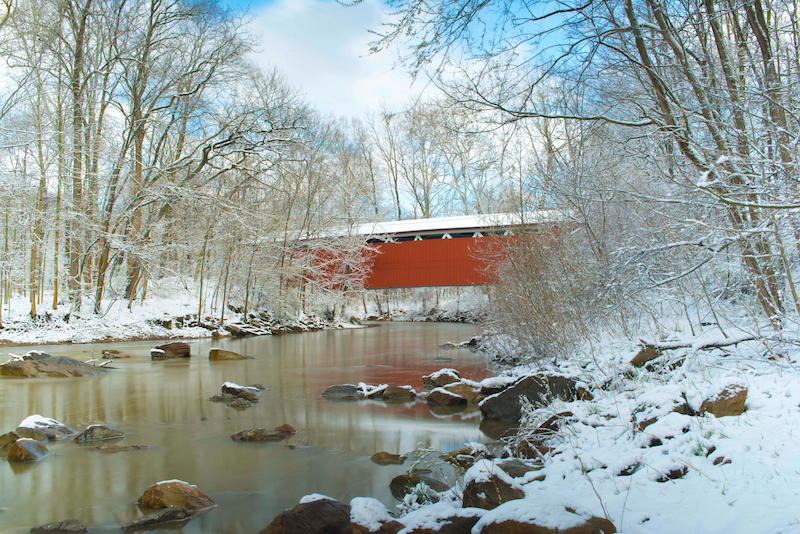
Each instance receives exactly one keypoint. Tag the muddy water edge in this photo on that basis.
(165, 406)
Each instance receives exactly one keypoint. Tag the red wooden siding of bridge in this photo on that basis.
(460, 261)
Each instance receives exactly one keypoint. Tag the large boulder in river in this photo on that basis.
(217, 355)
(51, 428)
(27, 450)
(168, 351)
(174, 493)
(314, 514)
(98, 433)
(50, 366)
(540, 390)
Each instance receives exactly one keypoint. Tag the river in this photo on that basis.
(165, 406)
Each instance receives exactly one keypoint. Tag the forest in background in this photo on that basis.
(138, 142)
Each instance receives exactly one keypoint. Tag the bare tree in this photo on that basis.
(707, 85)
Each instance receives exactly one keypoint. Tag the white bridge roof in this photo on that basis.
(474, 223)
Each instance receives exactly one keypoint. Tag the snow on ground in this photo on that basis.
(118, 320)
(742, 472)
(170, 298)
(756, 492)
(682, 473)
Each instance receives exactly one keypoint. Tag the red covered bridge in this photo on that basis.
(445, 251)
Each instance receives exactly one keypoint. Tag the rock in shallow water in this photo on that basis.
(168, 351)
(286, 429)
(387, 458)
(165, 515)
(27, 450)
(114, 355)
(52, 366)
(51, 428)
(399, 393)
(443, 397)
(174, 493)
(69, 526)
(120, 448)
(342, 392)
(260, 435)
(32, 433)
(224, 355)
(8, 438)
(98, 433)
(248, 393)
(441, 378)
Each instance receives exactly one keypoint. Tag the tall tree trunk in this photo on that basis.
(76, 244)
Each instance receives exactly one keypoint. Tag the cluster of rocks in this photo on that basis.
(36, 364)
(250, 324)
(484, 515)
(180, 349)
(240, 397)
(497, 398)
(491, 487)
(27, 443)
(264, 323)
(385, 392)
(162, 504)
(432, 315)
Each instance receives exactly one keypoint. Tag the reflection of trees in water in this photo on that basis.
(160, 404)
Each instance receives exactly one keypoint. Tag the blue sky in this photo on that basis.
(322, 48)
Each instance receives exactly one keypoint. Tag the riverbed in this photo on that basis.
(165, 406)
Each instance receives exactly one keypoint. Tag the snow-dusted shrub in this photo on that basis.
(545, 299)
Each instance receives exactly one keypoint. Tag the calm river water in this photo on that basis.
(160, 405)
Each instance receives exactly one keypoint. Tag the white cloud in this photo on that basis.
(323, 49)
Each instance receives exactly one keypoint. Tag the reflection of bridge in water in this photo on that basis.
(445, 251)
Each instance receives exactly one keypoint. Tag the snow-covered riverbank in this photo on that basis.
(171, 311)
(642, 453)
(660, 447)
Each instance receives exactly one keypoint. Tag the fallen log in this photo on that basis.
(652, 350)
